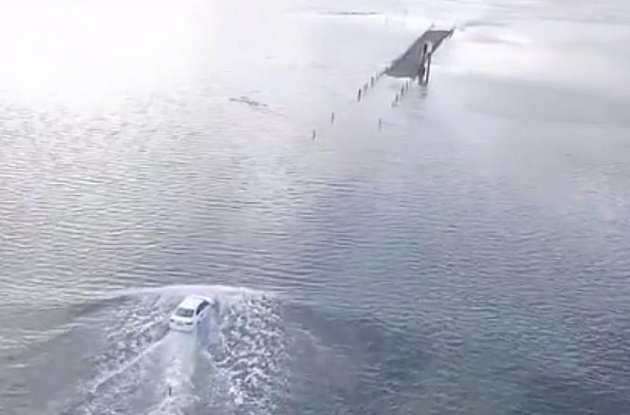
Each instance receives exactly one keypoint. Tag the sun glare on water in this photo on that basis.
(89, 52)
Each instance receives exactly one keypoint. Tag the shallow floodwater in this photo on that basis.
(470, 257)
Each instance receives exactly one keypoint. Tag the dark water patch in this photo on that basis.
(248, 101)
(351, 365)
(547, 394)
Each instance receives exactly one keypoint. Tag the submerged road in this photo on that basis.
(408, 64)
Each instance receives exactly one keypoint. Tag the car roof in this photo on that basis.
(191, 302)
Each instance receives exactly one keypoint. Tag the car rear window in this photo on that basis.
(184, 312)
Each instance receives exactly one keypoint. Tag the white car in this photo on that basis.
(190, 313)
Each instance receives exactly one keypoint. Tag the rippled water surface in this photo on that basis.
(471, 257)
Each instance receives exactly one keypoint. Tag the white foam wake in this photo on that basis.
(235, 364)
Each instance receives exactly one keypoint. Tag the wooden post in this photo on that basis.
(427, 51)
